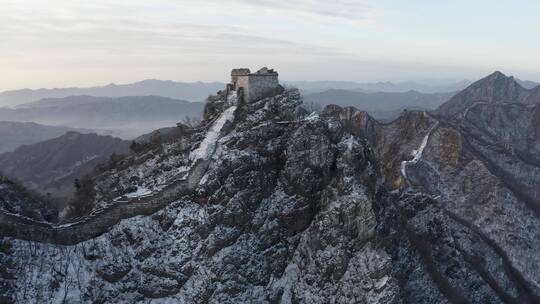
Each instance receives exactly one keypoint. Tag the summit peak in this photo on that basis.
(494, 88)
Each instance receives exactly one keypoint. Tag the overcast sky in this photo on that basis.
(57, 43)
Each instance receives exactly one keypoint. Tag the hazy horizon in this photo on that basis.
(64, 43)
(226, 79)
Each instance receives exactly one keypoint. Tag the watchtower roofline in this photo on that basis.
(265, 72)
(240, 72)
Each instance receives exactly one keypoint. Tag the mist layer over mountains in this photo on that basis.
(125, 117)
(197, 91)
(130, 110)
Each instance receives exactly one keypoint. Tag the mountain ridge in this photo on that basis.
(196, 91)
(15, 134)
(381, 105)
(495, 88)
(267, 202)
(51, 166)
(310, 87)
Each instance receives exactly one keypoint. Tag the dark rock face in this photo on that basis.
(483, 167)
(436, 250)
(284, 207)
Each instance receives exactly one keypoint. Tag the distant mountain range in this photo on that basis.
(126, 117)
(130, 110)
(197, 91)
(309, 87)
(15, 134)
(434, 86)
(527, 84)
(51, 166)
(382, 105)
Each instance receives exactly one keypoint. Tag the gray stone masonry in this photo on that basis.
(256, 86)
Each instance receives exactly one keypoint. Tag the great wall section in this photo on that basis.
(244, 85)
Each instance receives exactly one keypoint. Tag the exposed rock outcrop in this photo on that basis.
(265, 203)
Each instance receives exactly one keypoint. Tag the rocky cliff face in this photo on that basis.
(484, 168)
(265, 203)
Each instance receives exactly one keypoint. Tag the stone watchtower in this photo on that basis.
(255, 86)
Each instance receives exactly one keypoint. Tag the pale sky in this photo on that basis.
(59, 43)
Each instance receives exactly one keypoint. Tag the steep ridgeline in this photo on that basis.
(266, 203)
(494, 89)
(484, 165)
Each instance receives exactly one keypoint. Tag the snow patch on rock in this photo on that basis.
(140, 192)
(208, 145)
(312, 117)
(417, 154)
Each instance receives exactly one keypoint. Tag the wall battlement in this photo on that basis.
(255, 86)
